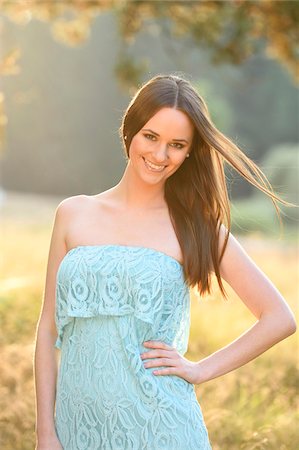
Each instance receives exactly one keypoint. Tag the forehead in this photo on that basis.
(171, 120)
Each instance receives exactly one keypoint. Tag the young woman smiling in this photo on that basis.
(120, 267)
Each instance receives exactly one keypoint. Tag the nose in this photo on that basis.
(161, 153)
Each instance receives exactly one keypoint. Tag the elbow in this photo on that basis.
(292, 325)
(285, 323)
(290, 322)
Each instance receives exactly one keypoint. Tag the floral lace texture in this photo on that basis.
(110, 299)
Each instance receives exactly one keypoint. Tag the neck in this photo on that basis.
(135, 194)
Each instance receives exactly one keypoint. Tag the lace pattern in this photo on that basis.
(109, 300)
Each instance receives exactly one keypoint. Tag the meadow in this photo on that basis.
(252, 408)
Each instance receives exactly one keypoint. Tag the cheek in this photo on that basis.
(179, 159)
(136, 144)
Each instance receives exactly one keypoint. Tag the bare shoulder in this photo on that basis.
(70, 205)
(68, 210)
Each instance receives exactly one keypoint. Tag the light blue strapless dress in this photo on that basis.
(109, 300)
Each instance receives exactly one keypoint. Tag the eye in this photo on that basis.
(149, 136)
(180, 146)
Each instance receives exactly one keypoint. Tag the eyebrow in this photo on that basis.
(179, 140)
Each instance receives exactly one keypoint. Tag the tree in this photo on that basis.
(231, 30)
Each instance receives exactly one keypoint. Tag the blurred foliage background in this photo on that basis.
(68, 69)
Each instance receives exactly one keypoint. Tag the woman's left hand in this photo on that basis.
(168, 356)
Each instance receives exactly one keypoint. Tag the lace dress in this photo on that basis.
(110, 299)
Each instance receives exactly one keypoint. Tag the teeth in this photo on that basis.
(153, 166)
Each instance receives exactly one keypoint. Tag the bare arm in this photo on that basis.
(275, 319)
(45, 358)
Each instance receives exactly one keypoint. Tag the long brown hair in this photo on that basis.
(196, 194)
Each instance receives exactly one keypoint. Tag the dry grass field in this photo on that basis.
(254, 407)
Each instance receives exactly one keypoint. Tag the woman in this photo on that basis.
(120, 266)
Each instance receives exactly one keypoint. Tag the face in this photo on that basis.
(161, 146)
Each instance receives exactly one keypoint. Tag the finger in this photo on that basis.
(157, 354)
(168, 371)
(157, 344)
(159, 362)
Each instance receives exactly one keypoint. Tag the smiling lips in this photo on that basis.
(153, 167)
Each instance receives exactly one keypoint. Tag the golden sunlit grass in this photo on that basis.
(253, 407)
